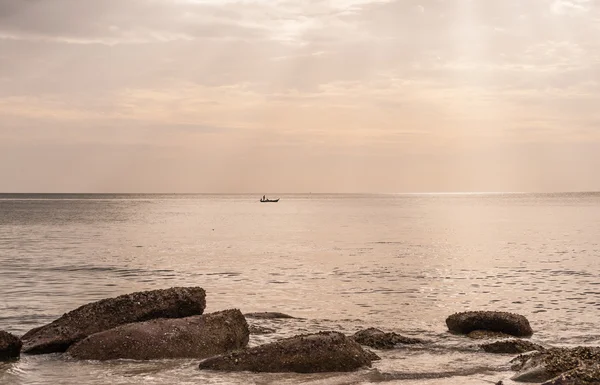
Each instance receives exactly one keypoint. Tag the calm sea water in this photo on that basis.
(341, 262)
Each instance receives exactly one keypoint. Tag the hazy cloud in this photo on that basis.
(361, 79)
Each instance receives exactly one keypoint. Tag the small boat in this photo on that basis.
(265, 200)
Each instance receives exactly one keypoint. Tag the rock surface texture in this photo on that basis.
(10, 346)
(508, 323)
(108, 313)
(547, 365)
(586, 374)
(191, 337)
(309, 353)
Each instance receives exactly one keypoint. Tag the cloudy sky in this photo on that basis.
(299, 95)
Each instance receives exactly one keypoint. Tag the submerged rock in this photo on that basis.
(378, 339)
(512, 346)
(544, 366)
(509, 323)
(308, 353)
(10, 346)
(191, 337)
(108, 313)
(256, 329)
(267, 315)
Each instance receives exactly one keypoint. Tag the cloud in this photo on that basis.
(343, 76)
(216, 44)
(570, 6)
(115, 21)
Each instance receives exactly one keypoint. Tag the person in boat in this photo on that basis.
(264, 199)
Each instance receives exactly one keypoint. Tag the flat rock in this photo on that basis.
(268, 315)
(308, 353)
(511, 346)
(10, 346)
(508, 323)
(108, 313)
(199, 336)
(545, 366)
(378, 339)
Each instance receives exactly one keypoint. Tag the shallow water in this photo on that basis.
(341, 262)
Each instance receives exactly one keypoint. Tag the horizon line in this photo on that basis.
(306, 193)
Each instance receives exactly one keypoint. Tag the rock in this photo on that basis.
(10, 346)
(267, 315)
(371, 355)
(586, 374)
(108, 313)
(509, 323)
(544, 366)
(519, 362)
(511, 346)
(487, 335)
(533, 370)
(308, 353)
(191, 337)
(255, 329)
(378, 339)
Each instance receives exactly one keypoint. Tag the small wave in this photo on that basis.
(226, 273)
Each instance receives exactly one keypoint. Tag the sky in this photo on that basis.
(299, 96)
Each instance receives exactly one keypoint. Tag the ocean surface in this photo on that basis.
(401, 263)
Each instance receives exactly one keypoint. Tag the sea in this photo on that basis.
(398, 262)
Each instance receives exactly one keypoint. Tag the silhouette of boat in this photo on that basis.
(269, 200)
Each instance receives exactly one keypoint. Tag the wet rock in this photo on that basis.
(544, 366)
(191, 337)
(372, 355)
(10, 346)
(508, 323)
(487, 335)
(511, 346)
(520, 360)
(378, 339)
(309, 353)
(255, 329)
(586, 374)
(108, 313)
(267, 315)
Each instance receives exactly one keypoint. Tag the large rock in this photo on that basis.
(10, 346)
(508, 323)
(191, 337)
(378, 339)
(511, 346)
(544, 366)
(106, 314)
(309, 353)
